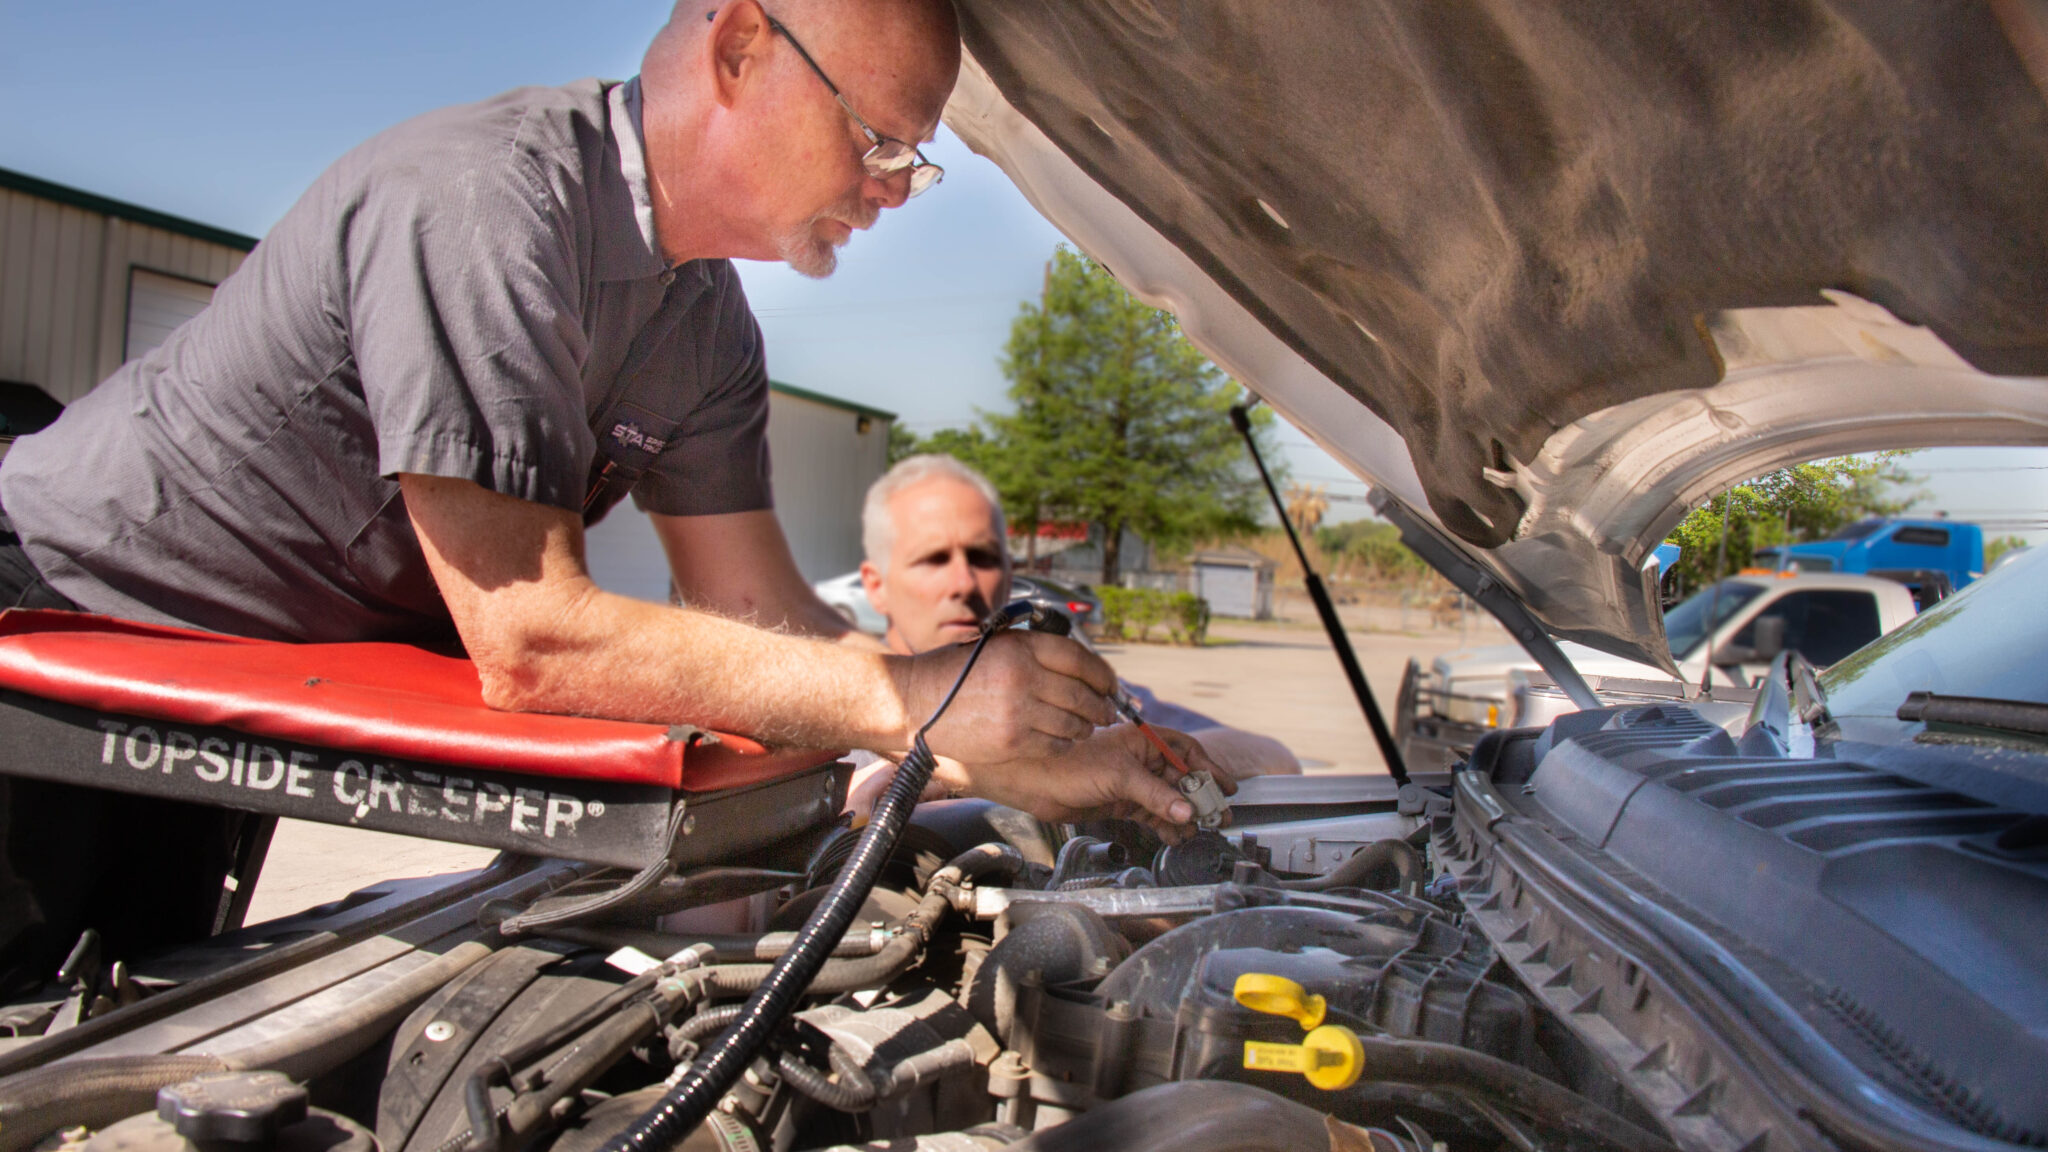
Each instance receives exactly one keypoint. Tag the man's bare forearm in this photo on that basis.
(608, 655)
(545, 638)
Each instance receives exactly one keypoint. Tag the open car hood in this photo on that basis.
(1549, 276)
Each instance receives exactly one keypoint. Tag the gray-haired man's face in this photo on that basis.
(948, 567)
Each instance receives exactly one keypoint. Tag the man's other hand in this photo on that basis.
(1030, 697)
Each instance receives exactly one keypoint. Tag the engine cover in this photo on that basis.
(1767, 945)
(1383, 963)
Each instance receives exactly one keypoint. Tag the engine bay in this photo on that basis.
(1510, 956)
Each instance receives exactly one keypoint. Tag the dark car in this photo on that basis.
(1079, 604)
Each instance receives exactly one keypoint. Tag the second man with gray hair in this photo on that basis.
(938, 563)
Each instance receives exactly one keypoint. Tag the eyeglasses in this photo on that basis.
(886, 155)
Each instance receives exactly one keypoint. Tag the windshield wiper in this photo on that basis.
(1809, 699)
(1977, 712)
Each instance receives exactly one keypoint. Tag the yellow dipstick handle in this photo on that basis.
(1331, 1057)
(1278, 996)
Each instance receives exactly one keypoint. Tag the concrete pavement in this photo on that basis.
(1284, 681)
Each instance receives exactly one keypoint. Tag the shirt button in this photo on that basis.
(667, 277)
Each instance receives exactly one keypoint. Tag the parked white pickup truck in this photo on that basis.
(1464, 695)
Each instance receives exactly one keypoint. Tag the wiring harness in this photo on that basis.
(684, 1106)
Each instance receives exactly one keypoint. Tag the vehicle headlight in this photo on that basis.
(1478, 705)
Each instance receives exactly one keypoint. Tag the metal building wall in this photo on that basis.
(823, 465)
(64, 287)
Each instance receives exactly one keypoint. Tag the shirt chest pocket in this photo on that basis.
(661, 382)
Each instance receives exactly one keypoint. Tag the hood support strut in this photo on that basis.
(1240, 418)
(1439, 553)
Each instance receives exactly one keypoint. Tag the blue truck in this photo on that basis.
(1931, 557)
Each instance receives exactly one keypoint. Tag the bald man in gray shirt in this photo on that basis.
(478, 294)
(480, 329)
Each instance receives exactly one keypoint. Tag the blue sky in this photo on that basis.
(224, 110)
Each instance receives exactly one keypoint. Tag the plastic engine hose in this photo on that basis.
(683, 1107)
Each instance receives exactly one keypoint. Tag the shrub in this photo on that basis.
(1147, 611)
(1132, 614)
(1116, 603)
(1187, 620)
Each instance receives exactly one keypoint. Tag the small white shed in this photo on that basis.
(1235, 581)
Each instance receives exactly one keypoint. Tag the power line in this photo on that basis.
(1939, 511)
(1984, 468)
(1330, 480)
(951, 301)
(936, 424)
(868, 336)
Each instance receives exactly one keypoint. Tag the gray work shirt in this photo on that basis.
(465, 295)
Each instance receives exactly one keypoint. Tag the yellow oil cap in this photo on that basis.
(1278, 996)
(1331, 1057)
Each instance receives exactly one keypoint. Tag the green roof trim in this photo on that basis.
(833, 401)
(22, 182)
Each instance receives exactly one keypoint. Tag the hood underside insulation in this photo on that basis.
(1486, 220)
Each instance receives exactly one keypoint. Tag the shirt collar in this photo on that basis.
(631, 254)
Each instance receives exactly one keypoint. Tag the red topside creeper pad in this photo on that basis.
(380, 699)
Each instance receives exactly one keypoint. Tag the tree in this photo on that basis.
(1808, 501)
(902, 442)
(1306, 507)
(1119, 421)
(2000, 547)
(1374, 550)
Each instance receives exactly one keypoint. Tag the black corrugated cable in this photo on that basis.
(684, 1106)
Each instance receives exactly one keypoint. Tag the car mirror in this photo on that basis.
(1768, 639)
(1732, 655)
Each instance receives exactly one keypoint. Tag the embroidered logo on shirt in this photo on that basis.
(630, 435)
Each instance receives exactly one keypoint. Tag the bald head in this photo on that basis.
(910, 45)
(750, 156)
(901, 54)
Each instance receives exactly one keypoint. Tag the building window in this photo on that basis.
(1926, 537)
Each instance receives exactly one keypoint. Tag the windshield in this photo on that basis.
(1859, 530)
(1990, 640)
(1686, 625)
